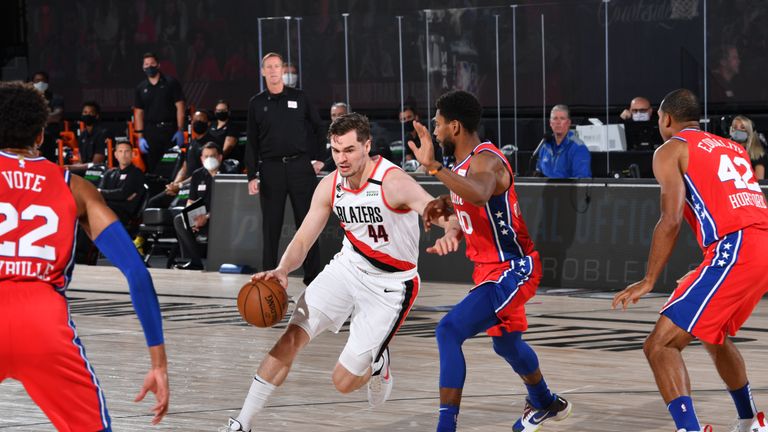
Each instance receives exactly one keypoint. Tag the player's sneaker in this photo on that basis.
(760, 424)
(533, 418)
(743, 425)
(233, 426)
(381, 382)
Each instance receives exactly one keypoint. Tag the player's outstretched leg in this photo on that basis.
(541, 404)
(472, 315)
(270, 375)
(731, 368)
(663, 349)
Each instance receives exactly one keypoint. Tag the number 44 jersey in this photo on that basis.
(721, 193)
(38, 220)
(386, 237)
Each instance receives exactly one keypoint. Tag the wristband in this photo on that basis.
(435, 171)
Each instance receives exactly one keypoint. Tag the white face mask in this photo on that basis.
(211, 163)
(41, 86)
(641, 116)
(290, 79)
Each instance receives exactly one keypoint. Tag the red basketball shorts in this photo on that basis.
(721, 294)
(515, 283)
(39, 347)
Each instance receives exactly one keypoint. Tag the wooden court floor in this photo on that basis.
(588, 352)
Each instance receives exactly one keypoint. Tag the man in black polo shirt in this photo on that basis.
(92, 140)
(283, 158)
(159, 113)
(123, 187)
(199, 188)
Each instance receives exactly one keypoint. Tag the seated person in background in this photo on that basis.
(639, 110)
(123, 187)
(743, 132)
(223, 132)
(92, 140)
(566, 156)
(338, 109)
(200, 188)
(407, 116)
(201, 127)
(290, 75)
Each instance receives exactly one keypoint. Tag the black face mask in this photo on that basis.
(409, 129)
(88, 119)
(200, 127)
(222, 115)
(151, 71)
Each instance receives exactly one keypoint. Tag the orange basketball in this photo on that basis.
(262, 303)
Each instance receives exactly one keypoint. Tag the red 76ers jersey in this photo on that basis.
(387, 238)
(38, 220)
(496, 232)
(721, 192)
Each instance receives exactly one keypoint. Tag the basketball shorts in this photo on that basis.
(719, 296)
(515, 283)
(40, 348)
(377, 302)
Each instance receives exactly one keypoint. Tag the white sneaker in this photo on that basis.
(233, 426)
(381, 382)
(760, 424)
(742, 425)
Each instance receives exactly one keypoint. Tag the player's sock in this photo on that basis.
(449, 417)
(745, 406)
(539, 395)
(683, 414)
(257, 397)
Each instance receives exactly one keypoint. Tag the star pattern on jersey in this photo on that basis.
(499, 214)
(504, 231)
(501, 223)
(721, 263)
(727, 246)
(726, 255)
(521, 263)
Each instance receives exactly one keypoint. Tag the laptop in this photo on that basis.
(642, 135)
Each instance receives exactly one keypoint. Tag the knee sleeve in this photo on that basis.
(516, 352)
(356, 364)
(453, 368)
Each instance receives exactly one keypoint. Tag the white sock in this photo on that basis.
(255, 401)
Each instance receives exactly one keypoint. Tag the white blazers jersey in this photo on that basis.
(386, 237)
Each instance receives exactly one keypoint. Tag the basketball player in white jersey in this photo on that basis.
(373, 278)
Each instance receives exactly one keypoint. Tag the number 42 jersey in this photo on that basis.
(38, 221)
(721, 193)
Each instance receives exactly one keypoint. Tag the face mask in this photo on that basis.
(290, 79)
(88, 119)
(211, 163)
(409, 128)
(222, 115)
(41, 86)
(199, 127)
(739, 136)
(151, 71)
(641, 116)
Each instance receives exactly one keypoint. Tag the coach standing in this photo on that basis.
(159, 113)
(282, 157)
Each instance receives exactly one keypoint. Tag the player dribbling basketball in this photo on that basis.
(373, 278)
